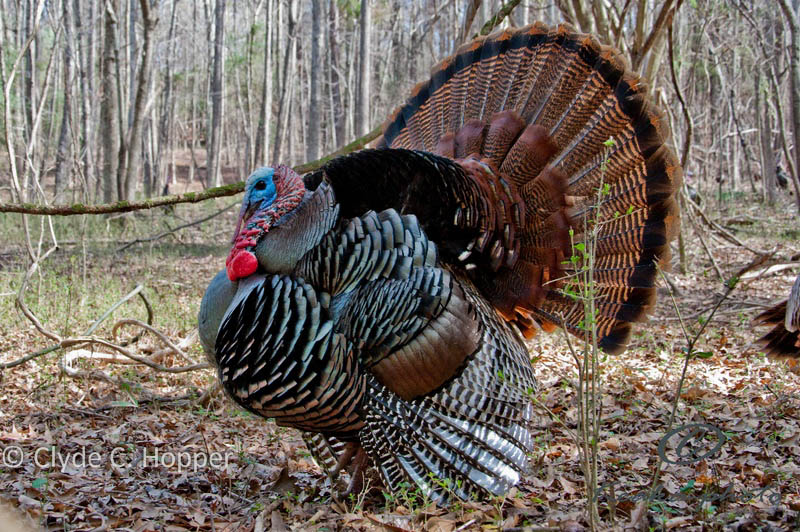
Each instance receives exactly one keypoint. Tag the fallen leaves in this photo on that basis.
(266, 481)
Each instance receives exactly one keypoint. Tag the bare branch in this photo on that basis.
(504, 11)
(176, 229)
(189, 197)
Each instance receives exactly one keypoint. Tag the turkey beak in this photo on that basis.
(245, 213)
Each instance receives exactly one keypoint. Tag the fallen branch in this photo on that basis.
(83, 340)
(89, 331)
(775, 268)
(189, 197)
(177, 349)
(724, 232)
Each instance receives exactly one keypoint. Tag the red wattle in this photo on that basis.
(242, 264)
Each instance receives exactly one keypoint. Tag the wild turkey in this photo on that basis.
(783, 341)
(377, 303)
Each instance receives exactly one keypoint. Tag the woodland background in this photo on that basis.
(122, 100)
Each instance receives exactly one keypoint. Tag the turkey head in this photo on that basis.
(270, 194)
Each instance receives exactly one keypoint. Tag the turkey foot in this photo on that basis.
(350, 449)
(360, 466)
(354, 455)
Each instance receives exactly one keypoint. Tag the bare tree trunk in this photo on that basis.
(794, 83)
(336, 75)
(763, 123)
(469, 17)
(315, 111)
(29, 75)
(364, 71)
(86, 69)
(265, 113)
(109, 113)
(193, 96)
(165, 136)
(288, 81)
(63, 157)
(213, 160)
(134, 140)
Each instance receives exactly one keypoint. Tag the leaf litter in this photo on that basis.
(95, 456)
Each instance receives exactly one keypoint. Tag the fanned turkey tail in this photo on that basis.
(527, 114)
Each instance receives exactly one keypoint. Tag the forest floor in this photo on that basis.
(135, 450)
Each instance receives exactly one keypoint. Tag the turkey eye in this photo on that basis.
(261, 185)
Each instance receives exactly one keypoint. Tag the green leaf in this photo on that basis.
(123, 403)
(704, 354)
(38, 483)
(610, 142)
(732, 282)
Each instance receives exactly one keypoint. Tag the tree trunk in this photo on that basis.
(109, 113)
(315, 111)
(85, 63)
(364, 71)
(336, 75)
(134, 140)
(265, 112)
(165, 121)
(63, 157)
(288, 82)
(29, 74)
(794, 83)
(213, 147)
(763, 123)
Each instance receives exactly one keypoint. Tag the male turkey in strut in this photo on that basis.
(783, 341)
(377, 302)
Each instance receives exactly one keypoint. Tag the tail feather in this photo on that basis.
(325, 450)
(470, 435)
(528, 157)
(783, 340)
(421, 442)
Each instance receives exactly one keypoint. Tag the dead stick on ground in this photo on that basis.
(83, 340)
(88, 332)
(727, 234)
(699, 235)
(161, 336)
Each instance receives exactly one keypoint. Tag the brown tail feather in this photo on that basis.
(537, 106)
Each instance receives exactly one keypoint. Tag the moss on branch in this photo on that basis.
(189, 197)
